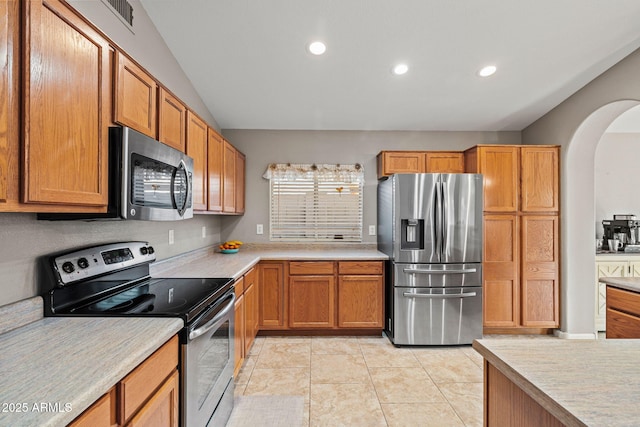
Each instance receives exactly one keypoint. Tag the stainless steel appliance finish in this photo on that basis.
(430, 226)
(148, 181)
(113, 280)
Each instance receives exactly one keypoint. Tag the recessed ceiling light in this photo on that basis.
(400, 69)
(487, 71)
(317, 48)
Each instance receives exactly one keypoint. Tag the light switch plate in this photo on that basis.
(259, 229)
(204, 231)
(171, 240)
(372, 230)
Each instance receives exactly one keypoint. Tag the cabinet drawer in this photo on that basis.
(311, 267)
(142, 382)
(239, 286)
(250, 277)
(360, 267)
(626, 301)
(622, 325)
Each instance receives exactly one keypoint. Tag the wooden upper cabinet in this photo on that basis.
(229, 179)
(540, 170)
(500, 167)
(135, 97)
(215, 162)
(66, 96)
(172, 121)
(197, 133)
(9, 107)
(444, 162)
(240, 179)
(390, 162)
(540, 271)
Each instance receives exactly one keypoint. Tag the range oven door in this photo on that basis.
(207, 366)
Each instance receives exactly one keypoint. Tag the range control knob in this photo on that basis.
(83, 263)
(144, 250)
(68, 267)
(151, 250)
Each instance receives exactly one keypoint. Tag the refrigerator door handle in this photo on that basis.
(444, 221)
(437, 224)
(427, 271)
(440, 296)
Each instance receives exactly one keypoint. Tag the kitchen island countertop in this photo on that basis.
(629, 283)
(580, 382)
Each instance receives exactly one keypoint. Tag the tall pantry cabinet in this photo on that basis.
(521, 236)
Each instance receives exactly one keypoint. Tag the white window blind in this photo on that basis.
(315, 202)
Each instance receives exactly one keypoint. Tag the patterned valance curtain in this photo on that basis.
(353, 174)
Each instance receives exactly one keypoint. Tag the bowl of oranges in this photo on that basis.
(230, 246)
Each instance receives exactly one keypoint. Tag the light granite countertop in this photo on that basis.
(629, 283)
(52, 369)
(209, 262)
(580, 382)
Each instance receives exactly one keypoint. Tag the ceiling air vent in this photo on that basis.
(123, 10)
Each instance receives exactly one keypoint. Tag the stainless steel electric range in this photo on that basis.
(113, 280)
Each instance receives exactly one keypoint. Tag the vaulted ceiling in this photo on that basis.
(248, 59)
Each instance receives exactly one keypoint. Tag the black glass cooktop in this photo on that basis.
(184, 298)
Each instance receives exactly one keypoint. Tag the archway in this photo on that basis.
(578, 212)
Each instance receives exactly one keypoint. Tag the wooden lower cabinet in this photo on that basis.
(521, 273)
(506, 404)
(360, 301)
(312, 302)
(238, 335)
(250, 313)
(101, 414)
(623, 313)
(147, 397)
(321, 296)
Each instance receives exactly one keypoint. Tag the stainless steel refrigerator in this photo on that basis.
(430, 226)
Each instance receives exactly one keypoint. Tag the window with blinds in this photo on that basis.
(319, 203)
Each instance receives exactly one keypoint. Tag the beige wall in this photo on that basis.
(263, 147)
(577, 124)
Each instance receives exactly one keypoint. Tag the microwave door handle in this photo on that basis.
(181, 209)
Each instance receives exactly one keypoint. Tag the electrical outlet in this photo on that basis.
(259, 229)
(372, 230)
(171, 240)
(204, 231)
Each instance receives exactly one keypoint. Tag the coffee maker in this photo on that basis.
(625, 228)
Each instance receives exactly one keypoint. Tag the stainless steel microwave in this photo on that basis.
(148, 180)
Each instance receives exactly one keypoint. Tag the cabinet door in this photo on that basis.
(215, 160)
(606, 269)
(500, 167)
(501, 281)
(360, 302)
(311, 302)
(66, 107)
(135, 98)
(238, 335)
(272, 295)
(172, 121)
(101, 414)
(228, 183)
(240, 171)
(390, 162)
(540, 272)
(250, 317)
(540, 169)
(197, 131)
(444, 162)
(9, 78)
(162, 408)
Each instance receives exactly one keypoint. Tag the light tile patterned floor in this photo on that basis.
(349, 381)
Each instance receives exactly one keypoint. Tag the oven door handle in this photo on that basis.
(218, 320)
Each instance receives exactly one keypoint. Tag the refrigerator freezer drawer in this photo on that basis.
(438, 316)
(437, 275)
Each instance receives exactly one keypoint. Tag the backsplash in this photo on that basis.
(23, 239)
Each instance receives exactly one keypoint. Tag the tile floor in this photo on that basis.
(349, 381)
